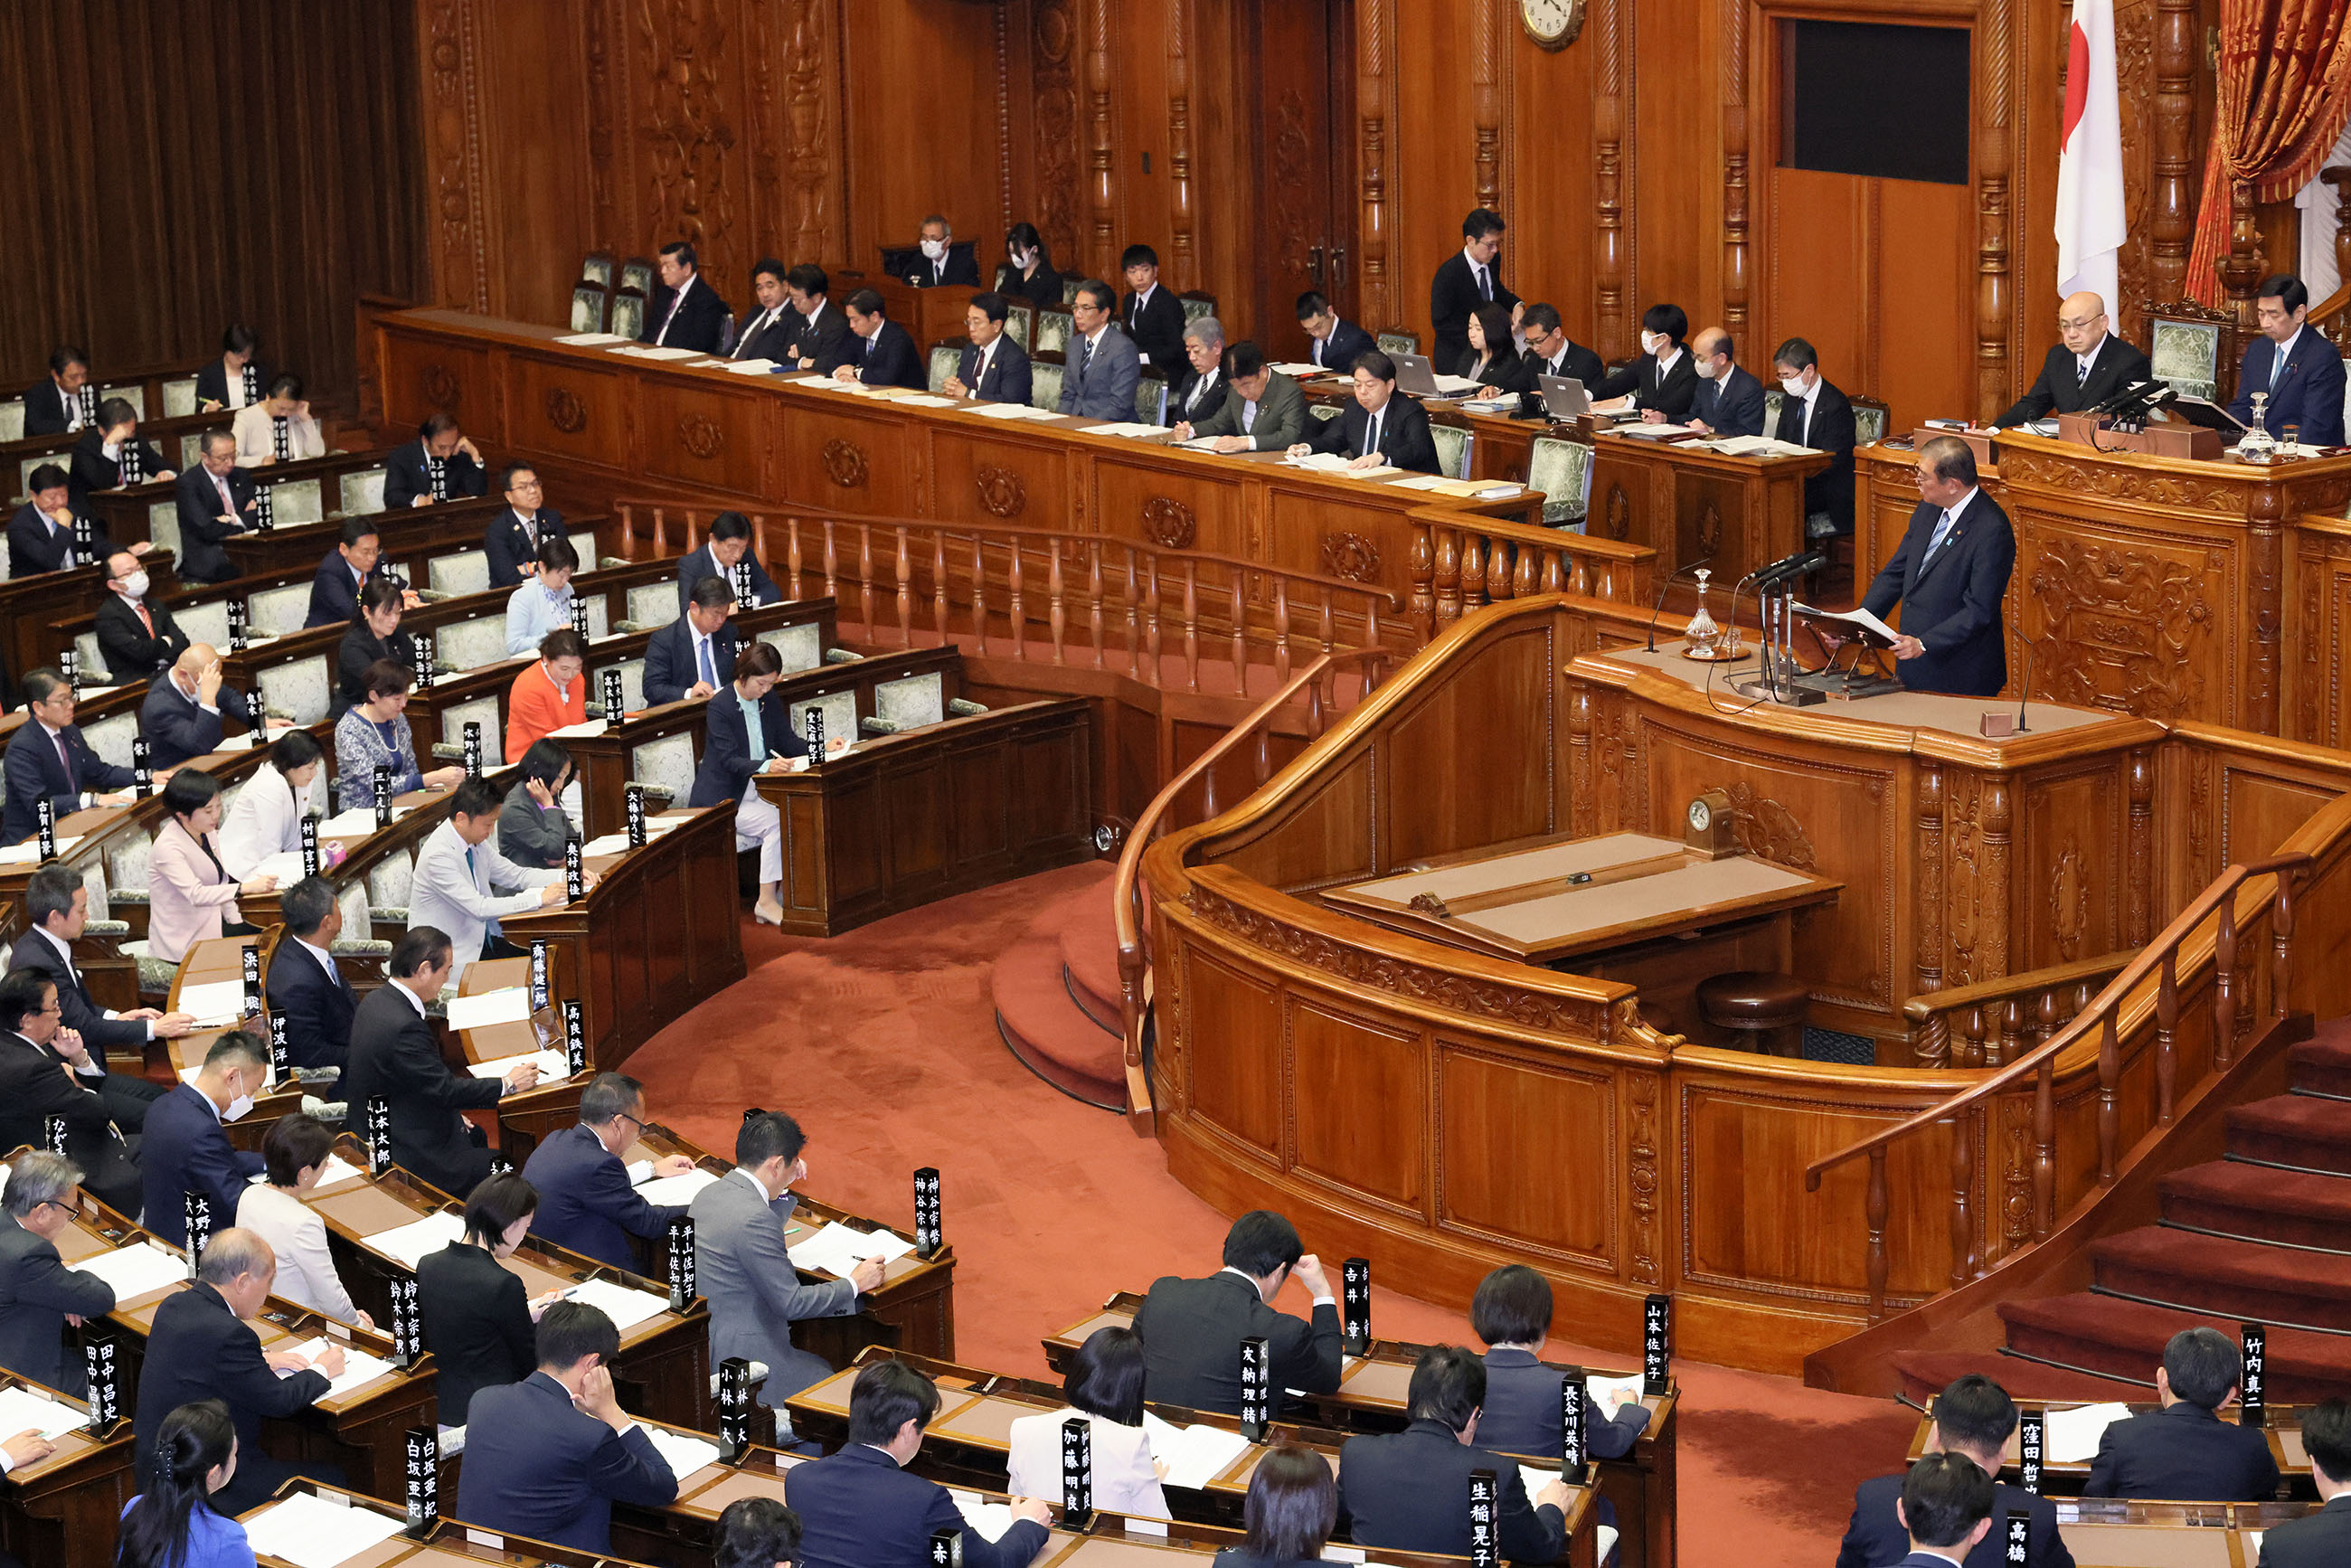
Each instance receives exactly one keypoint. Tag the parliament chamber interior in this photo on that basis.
(883, 782)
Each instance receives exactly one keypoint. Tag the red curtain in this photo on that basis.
(2284, 94)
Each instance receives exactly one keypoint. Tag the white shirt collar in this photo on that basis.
(326, 959)
(1812, 393)
(2087, 361)
(1143, 296)
(1665, 362)
(757, 1186)
(2286, 348)
(401, 987)
(58, 943)
(1096, 335)
(1476, 266)
(1957, 508)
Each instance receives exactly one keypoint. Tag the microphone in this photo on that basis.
(1662, 589)
(2025, 692)
(1796, 565)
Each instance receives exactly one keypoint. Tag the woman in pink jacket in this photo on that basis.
(190, 897)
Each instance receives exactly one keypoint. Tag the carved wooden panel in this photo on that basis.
(1434, 807)
(1499, 1117)
(1359, 1105)
(988, 476)
(834, 456)
(2073, 870)
(421, 378)
(578, 413)
(2137, 622)
(705, 438)
(1236, 1073)
(1130, 498)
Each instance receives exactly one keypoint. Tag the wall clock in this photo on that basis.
(1552, 23)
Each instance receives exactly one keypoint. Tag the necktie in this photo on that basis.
(64, 760)
(2081, 373)
(1249, 418)
(869, 345)
(144, 619)
(1486, 285)
(675, 300)
(1803, 422)
(710, 668)
(1372, 438)
(1199, 389)
(228, 507)
(1085, 359)
(278, 443)
(1942, 532)
(2277, 367)
(1318, 352)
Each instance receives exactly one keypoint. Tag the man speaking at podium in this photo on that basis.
(1949, 576)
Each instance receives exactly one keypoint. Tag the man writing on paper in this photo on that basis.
(459, 873)
(1949, 576)
(587, 1201)
(1265, 412)
(57, 908)
(1192, 1329)
(1381, 429)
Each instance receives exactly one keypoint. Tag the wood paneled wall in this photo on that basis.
(173, 168)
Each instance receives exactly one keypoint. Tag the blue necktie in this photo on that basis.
(709, 670)
(473, 870)
(1942, 532)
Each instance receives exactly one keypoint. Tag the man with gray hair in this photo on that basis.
(1201, 389)
(186, 1147)
(202, 1347)
(307, 987)
(1949, 575)
(40, 1296)
(587, 1199)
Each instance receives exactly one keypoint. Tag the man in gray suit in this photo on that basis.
(744, 1270)
(1265, 411)
(38, 1294)
(1103, 366)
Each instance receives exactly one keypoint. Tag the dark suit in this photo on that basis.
(822, 339)
(45, 407)
(1732, 407)
(887, 358)
(33, 769)
(514, 551)
(701, 320)
(757, 337)
(131, 651)
(1509, 370)
(670, 665)
(958, 266)
(1522, 1412)
(1043, 290)
(2113, 366)
(1180, 410)
(1100, 383)
(393, 1054)
(1453, 297)
(858, 1510)
(177, 727)
(1671, 394)
(1875, 1537)
(1157, 328)
(77, 1011)
(318, 1010)
(360, 648)
(32, 1090)
(187, 1150)
(1575, 363)
(1951, 603)
(2307, 394)
(585, 1201)
(2320, 1540)
(1828, 428)
(202, 559)
(37, 1292)
(408, 473)
(1409, 1491)
(699, 564)
(726, 760)
(93, 469)
(2183, 1452)
(1009, 378)
(200, 1349)
(477, 1320)
(334, 592)
(1404, 440)
(1346, 345)
(36, 546)
(1192, 1332)
(1279, 423)
(212, 381)
(536, 1465)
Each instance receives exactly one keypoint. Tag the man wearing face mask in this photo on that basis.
(1728, 401)
(1815, 414)
(137, 637)
(940, 264)
(1662, 380)
(186, 1146)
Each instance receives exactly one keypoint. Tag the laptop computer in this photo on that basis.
(1415, 375)
(1564, 396)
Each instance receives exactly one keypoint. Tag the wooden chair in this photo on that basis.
(1397, 340)
(2196, 350)
(1562, 470)
(597, 266)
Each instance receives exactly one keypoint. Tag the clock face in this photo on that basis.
(1702, 815)
(1553, 24)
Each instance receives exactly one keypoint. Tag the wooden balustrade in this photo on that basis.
(1995, 1022)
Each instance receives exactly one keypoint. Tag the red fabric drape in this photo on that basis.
(2284, 94)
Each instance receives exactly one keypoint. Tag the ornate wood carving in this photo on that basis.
(1102, 156)
(1582, 807)
(604, 115)
(2016, 1172)
(1184, 270)
(2069, 901)
(811, 171)
(844, 463)
(1001, 492)
(1429, 903)
(1486, 101)
(684, 125)
(441, 388)
(1709, 529)
(1641, 1175)
(700, 435)
(1619, 512)
(1927, 903)
(1734, 164)
(2173, 222)
(1767, 830)
(1964, 792)
(2138, 877)
(1995, 89)
(1350, 556)
(1170, 523)
(2135, 76)
(2265, 561)
(1374, 108)
(1290, 161)
(1053, 120)
(452, 118)
(565, 410)
(1611, 262)
(2117, 625)
(1998, 813)
(2173, 492)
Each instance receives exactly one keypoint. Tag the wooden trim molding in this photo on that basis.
(449, 39)
(1102, 156)
(1611, 268)
(1374, 114)
(1736, 134)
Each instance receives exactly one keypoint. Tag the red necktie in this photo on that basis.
(64, 760)
(144, 619)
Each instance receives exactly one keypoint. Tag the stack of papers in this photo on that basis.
(136, 1270)
(508, 1004)
(1124, 427)
(213, 1005)
(552, 1067)
(825, 383)
(1607, 1393)
(1647, 431)
(1300, 368)
(926, 399)
(51, 1418)
(358, 1366)
(1193, 1455)
(1859, 617)
(837, 1250)
(594, 727)
(312, 1532)
(1758, 446)
(287, 867)
(30, 851)
(751, 367)
(356, 824)
(677, 1189)
(606, 844)
(410, 1243)
(1008, 411)
(627, 1308)
(591, 340)
(2071, 1436)
(685, 1455)
(1473, 489)
(649, 351)
(337, 1168)
(988, 1520)
(1451, 385)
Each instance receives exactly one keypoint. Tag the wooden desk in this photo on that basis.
(448, 1543)
(2282, 1426)
(64, 1508)
(299, 491)
(411, 538)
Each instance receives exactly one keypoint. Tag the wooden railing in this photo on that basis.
(2101, 1020)
(1995, 1022)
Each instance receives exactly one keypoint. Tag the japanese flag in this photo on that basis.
(2090, 224)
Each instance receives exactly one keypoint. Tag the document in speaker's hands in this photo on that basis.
(1856, 616)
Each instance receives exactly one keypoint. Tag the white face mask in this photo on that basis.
(1793, 385)
(135, 586)
(1651, 342)
(1022, 258)
(935, 249)
(237, 1108)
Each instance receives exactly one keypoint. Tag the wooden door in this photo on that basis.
(1302, 54)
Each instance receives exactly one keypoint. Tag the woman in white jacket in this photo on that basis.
(265, 818)
(1106, 1385)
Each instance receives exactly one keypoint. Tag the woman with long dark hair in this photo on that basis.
(1028, 268)
(1293, 1501)
(171, 1524)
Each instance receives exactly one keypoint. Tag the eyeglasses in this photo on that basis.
(72, 1211)
(2078, 323)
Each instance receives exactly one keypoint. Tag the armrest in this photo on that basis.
(102, 930)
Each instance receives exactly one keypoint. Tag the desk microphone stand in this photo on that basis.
(1782, 679)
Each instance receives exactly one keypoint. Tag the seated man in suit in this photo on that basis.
(280, 428)
(1814, 413)
(42, 536)
(684, 313)
(459, 870)
(56, 911)
(1469, 278)
(1333, 344)
(1378, 428)
(136, 634)
(49, 758)
(694, 655)
(1102, 369)
(440, 464)
(1973, 1419)
(940, 265)
(1409, 1490)
(215, 499)
(1192, 1329)
(880, 352)
(236, 378)
(587, 1199)
(1945, 1512)
(356, 558)
(727, 547)
(755, 1293)
(305, 986)
(820, 335)
(38, 1294)
(1949, 574)
(187, 708)
(765, 332)
(63, 401)
(2186, 1450)
(110, 455)
(395, 1056)
(1728, 401)
(1265, 411)
(859, 1507)
(202, 1346)
(514, 535)
(549, 1456)
(2300, 371)
(2321, 1539)
(35, 1051)
(994, 368)
(186, 1146)
(1511, 1313)
(2089, 366)
(1661, 383)
(1200, 391)
(1551, 353)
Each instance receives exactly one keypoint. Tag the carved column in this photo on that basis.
(1734, 166)
(1927, 908)
(1608, 260)
(1995, 95)
(1486, 101)
(449, 35)
(1998, 835)
(2171, 205)
(1375, 300)
(1102, 155)
(2265, 558)
(2240, 270)
(2139, 889)
(1183, 271)
(1054, 199)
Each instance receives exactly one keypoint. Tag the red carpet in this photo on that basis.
(884, 1044)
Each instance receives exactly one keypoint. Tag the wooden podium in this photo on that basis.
(2170, 438)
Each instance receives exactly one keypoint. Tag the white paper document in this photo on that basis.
(1758, 446)
(51, 1418)
(312, 1532)
(213, 1004)
(409, 1243)
(627, 1308)
(508, 1004)
(1193, 1455)
(1858, 617)
(926, 400)
(1451, 384)
(1654, 432)
(685, 1455)
(837, 1250)
(287, 867)
(594, 727)
(1299, 368)
(824, 383)
(337, 1168)
(1008, 411)
(2071, 1436)
(1124, 427)
(651, 351)
(358, 1366)
(669, 1191)
(604, 844)
(29, 852)
(356, 824)
(552, 1067)
(136, 1270)
(988, 1520)
(591, 340)
(751, 367)
(1607, 1393)
(1321, 462)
